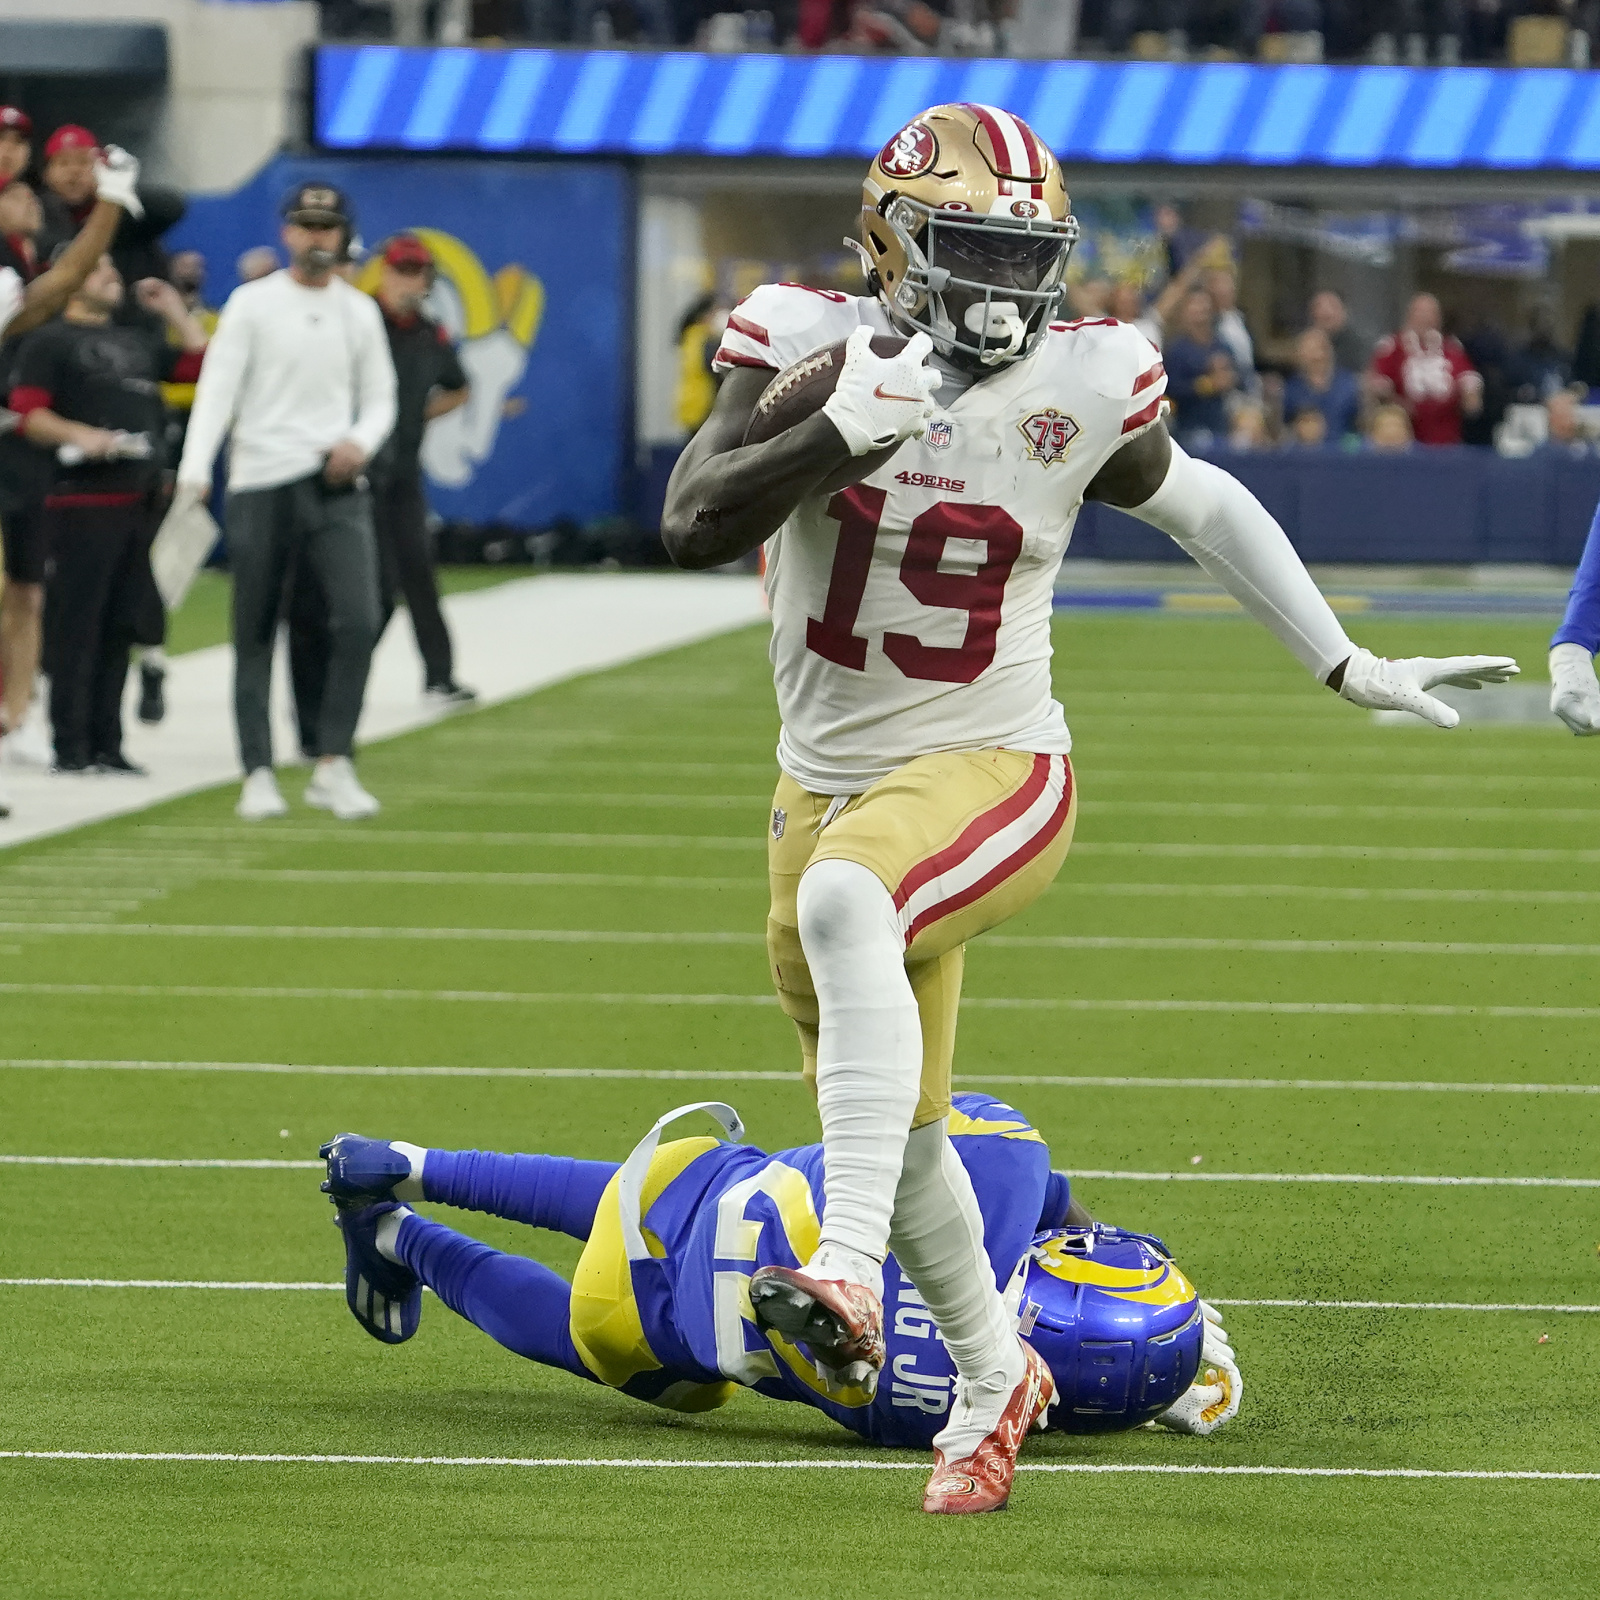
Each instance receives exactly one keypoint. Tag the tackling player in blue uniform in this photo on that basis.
(1574, 691)
(659, 1307)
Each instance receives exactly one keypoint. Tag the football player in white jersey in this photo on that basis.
(914, 528)
(25, 306)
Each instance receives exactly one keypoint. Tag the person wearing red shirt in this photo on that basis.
(1428, 372)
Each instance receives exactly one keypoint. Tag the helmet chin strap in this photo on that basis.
(999, 325)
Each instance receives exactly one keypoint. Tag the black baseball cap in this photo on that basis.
(318, 205)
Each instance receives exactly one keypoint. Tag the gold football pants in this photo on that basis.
(961, 840)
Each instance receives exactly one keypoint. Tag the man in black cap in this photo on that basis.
(299, 373)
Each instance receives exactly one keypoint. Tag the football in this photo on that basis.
(802, 389)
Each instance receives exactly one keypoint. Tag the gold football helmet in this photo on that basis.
(965, 233)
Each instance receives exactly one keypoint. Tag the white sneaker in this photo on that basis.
(335, 787)
(29, 746)
(259, 800)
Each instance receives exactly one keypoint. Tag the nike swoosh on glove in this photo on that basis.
(1213, 1398)
(1382, 685)
(1574, 691)
(880, 401)
(116, 178)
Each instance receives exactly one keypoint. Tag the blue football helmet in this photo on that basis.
(1116, 1322)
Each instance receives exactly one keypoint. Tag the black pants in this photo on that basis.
(92, 614)
(273, 536)
(405, 568)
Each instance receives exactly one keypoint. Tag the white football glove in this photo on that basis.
(116, 177)
(1382, 685)
(879, 402)
(1213, 1398)
(1574, 691)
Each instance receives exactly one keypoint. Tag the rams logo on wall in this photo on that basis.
(494, 321)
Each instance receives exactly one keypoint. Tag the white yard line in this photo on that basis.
(643, 936)
(510, 639)
(690, 1075)
(260, 1286)
(1274, 808)
(492, 879)
(1330, 852)
(1411, 1180)
(360, 833)
(1097, 1468)
(1331, 1008)
(1312, 891)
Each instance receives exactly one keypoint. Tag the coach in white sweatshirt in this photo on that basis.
(299, 373)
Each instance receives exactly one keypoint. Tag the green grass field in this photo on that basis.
(1265, 888)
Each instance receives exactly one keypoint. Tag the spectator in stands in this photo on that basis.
(1248, 430)
(1319, 384)
(1489, 351)
(1308, 428)
(1201, 375)
(21, 218)
(1389, 431)
(69, 158)
(1567, 434)
(1428, 373)
(1327, 311)
(187, 274)
(1222, 284)
(16, 142)
(1542, 367)
(259, 262)
(91, 385)
(1413, 23)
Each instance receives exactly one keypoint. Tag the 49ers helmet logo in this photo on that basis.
(910, 153)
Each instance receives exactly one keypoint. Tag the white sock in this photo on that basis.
(410, 1188)
(386, 1236)
(869, 1049)
(937, 1238)
(154, 657)
(841, 1262)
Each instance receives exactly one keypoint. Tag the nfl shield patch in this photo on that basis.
(780, 820)
(940, 433)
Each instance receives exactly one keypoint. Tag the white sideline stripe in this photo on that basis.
(939, 887)
(680, 1075)
(155, 1283)
(1330, 1008)
(1291, 1305)
(156, 1161)
(1426, 1181)
(364, 835)
(708, 841)
(1313, 891)
(1378, 1305)
(184, 930)
(1087, 1467)
(1328, 852)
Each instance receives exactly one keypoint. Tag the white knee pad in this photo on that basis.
(844, 908)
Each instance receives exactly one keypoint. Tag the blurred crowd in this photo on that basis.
(1417, 32)
(1324, 387)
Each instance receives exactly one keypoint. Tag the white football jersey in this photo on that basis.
(12, 291)
(911, 612)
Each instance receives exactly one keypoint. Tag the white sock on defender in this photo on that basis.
(869, 1054)
(386, 1235)
(937, 1237)
(410, 1188)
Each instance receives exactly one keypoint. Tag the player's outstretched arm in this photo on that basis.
(1213, 517)
(726, 497)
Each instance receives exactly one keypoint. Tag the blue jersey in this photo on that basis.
(725, 1210)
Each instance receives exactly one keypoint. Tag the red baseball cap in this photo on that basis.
(407, 250)
(15, 120)
(69, 137)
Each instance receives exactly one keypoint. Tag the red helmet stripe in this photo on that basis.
(1016, 151)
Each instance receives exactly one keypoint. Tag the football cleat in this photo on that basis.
(384, 1297)
(362, 1169)
(840, 1323)
(982, 1481)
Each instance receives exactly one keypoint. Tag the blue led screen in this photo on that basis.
(615, 102)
